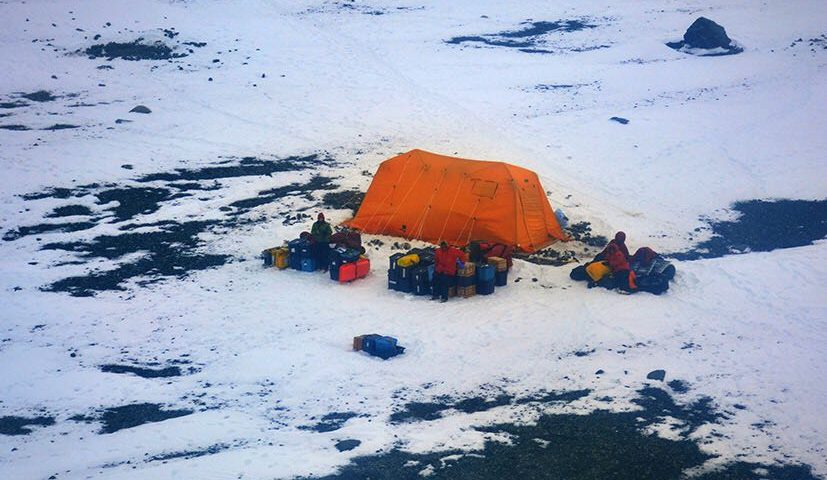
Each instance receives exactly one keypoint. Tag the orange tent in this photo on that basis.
(434, 197)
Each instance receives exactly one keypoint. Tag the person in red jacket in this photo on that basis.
(445, 269)
(622, 273)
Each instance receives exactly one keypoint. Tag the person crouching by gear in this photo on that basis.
(321, 233)
(447, 259)
(622, 274)
(620, 242)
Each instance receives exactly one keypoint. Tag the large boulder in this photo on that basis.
(704, 33)
(706, 38)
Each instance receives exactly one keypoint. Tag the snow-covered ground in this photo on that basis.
(265, 354)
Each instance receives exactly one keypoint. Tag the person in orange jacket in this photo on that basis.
(446, 261)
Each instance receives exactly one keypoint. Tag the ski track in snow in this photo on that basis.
(245, 372)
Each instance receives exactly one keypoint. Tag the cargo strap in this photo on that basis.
(471, 218)
(417, 232)
(385, 200)
(451, 210)
(402, 202)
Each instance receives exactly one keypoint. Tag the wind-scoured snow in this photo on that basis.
(140, 337)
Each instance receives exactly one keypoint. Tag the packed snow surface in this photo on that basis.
(243, 372)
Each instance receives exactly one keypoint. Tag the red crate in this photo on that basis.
(362, 267)
(347, 272)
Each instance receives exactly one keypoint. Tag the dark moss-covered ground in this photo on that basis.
(599, 445)
(763, 226)
(166, 248)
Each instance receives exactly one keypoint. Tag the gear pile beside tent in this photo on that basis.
(435, 197)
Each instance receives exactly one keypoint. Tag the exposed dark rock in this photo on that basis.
(656, 375)
(705, 34)
(128, 416)
(39, 96)
(346, 445)
(142, 372)
(134, 51)
(763, 226)
(17, 425)
(140, 109)
(61, 126)
(620, 120)
(14, 127)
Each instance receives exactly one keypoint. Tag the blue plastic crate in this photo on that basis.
(381, 346)
(308, 264)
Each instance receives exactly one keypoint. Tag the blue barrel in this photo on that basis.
(501, 278)
(485, 288)
(485, 273)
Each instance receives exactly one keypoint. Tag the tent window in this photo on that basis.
(484, 188)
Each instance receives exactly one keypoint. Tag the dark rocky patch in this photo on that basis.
(582, 232)
(763, 226)
(247, 166)
(20, 232)
(14, 104)
(18, 425)
(529, 39)
(707, 35)
(171, 248)
(187, 454)
(678, 386)
(331, 422)
(620, 120)
(658, 375)
(171, 252)
(39, 96)
(70, 211)
(346, 199)
(142, 372)
(548, 256)
(427, 411)
(140, 109)
(269, 196)
(133, 201)
(347, 445)
(601, 444)
(134, 51)
(128, 416)
(14, 127)
(61, 126)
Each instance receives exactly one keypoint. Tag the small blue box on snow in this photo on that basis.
(378, 345)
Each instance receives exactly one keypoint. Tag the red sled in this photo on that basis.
(362, 267)
(347, 272)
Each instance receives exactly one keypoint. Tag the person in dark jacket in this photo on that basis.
(446, 261)
(321, 232)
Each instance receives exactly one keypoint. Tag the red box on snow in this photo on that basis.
(347, 272)
(362, 267)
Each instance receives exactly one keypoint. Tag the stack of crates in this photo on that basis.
(466, 280)
(485, 279)
(339, 257)
(393, 272)
(300, 255)
(347, 265)
(412, 272)
(501, 270)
